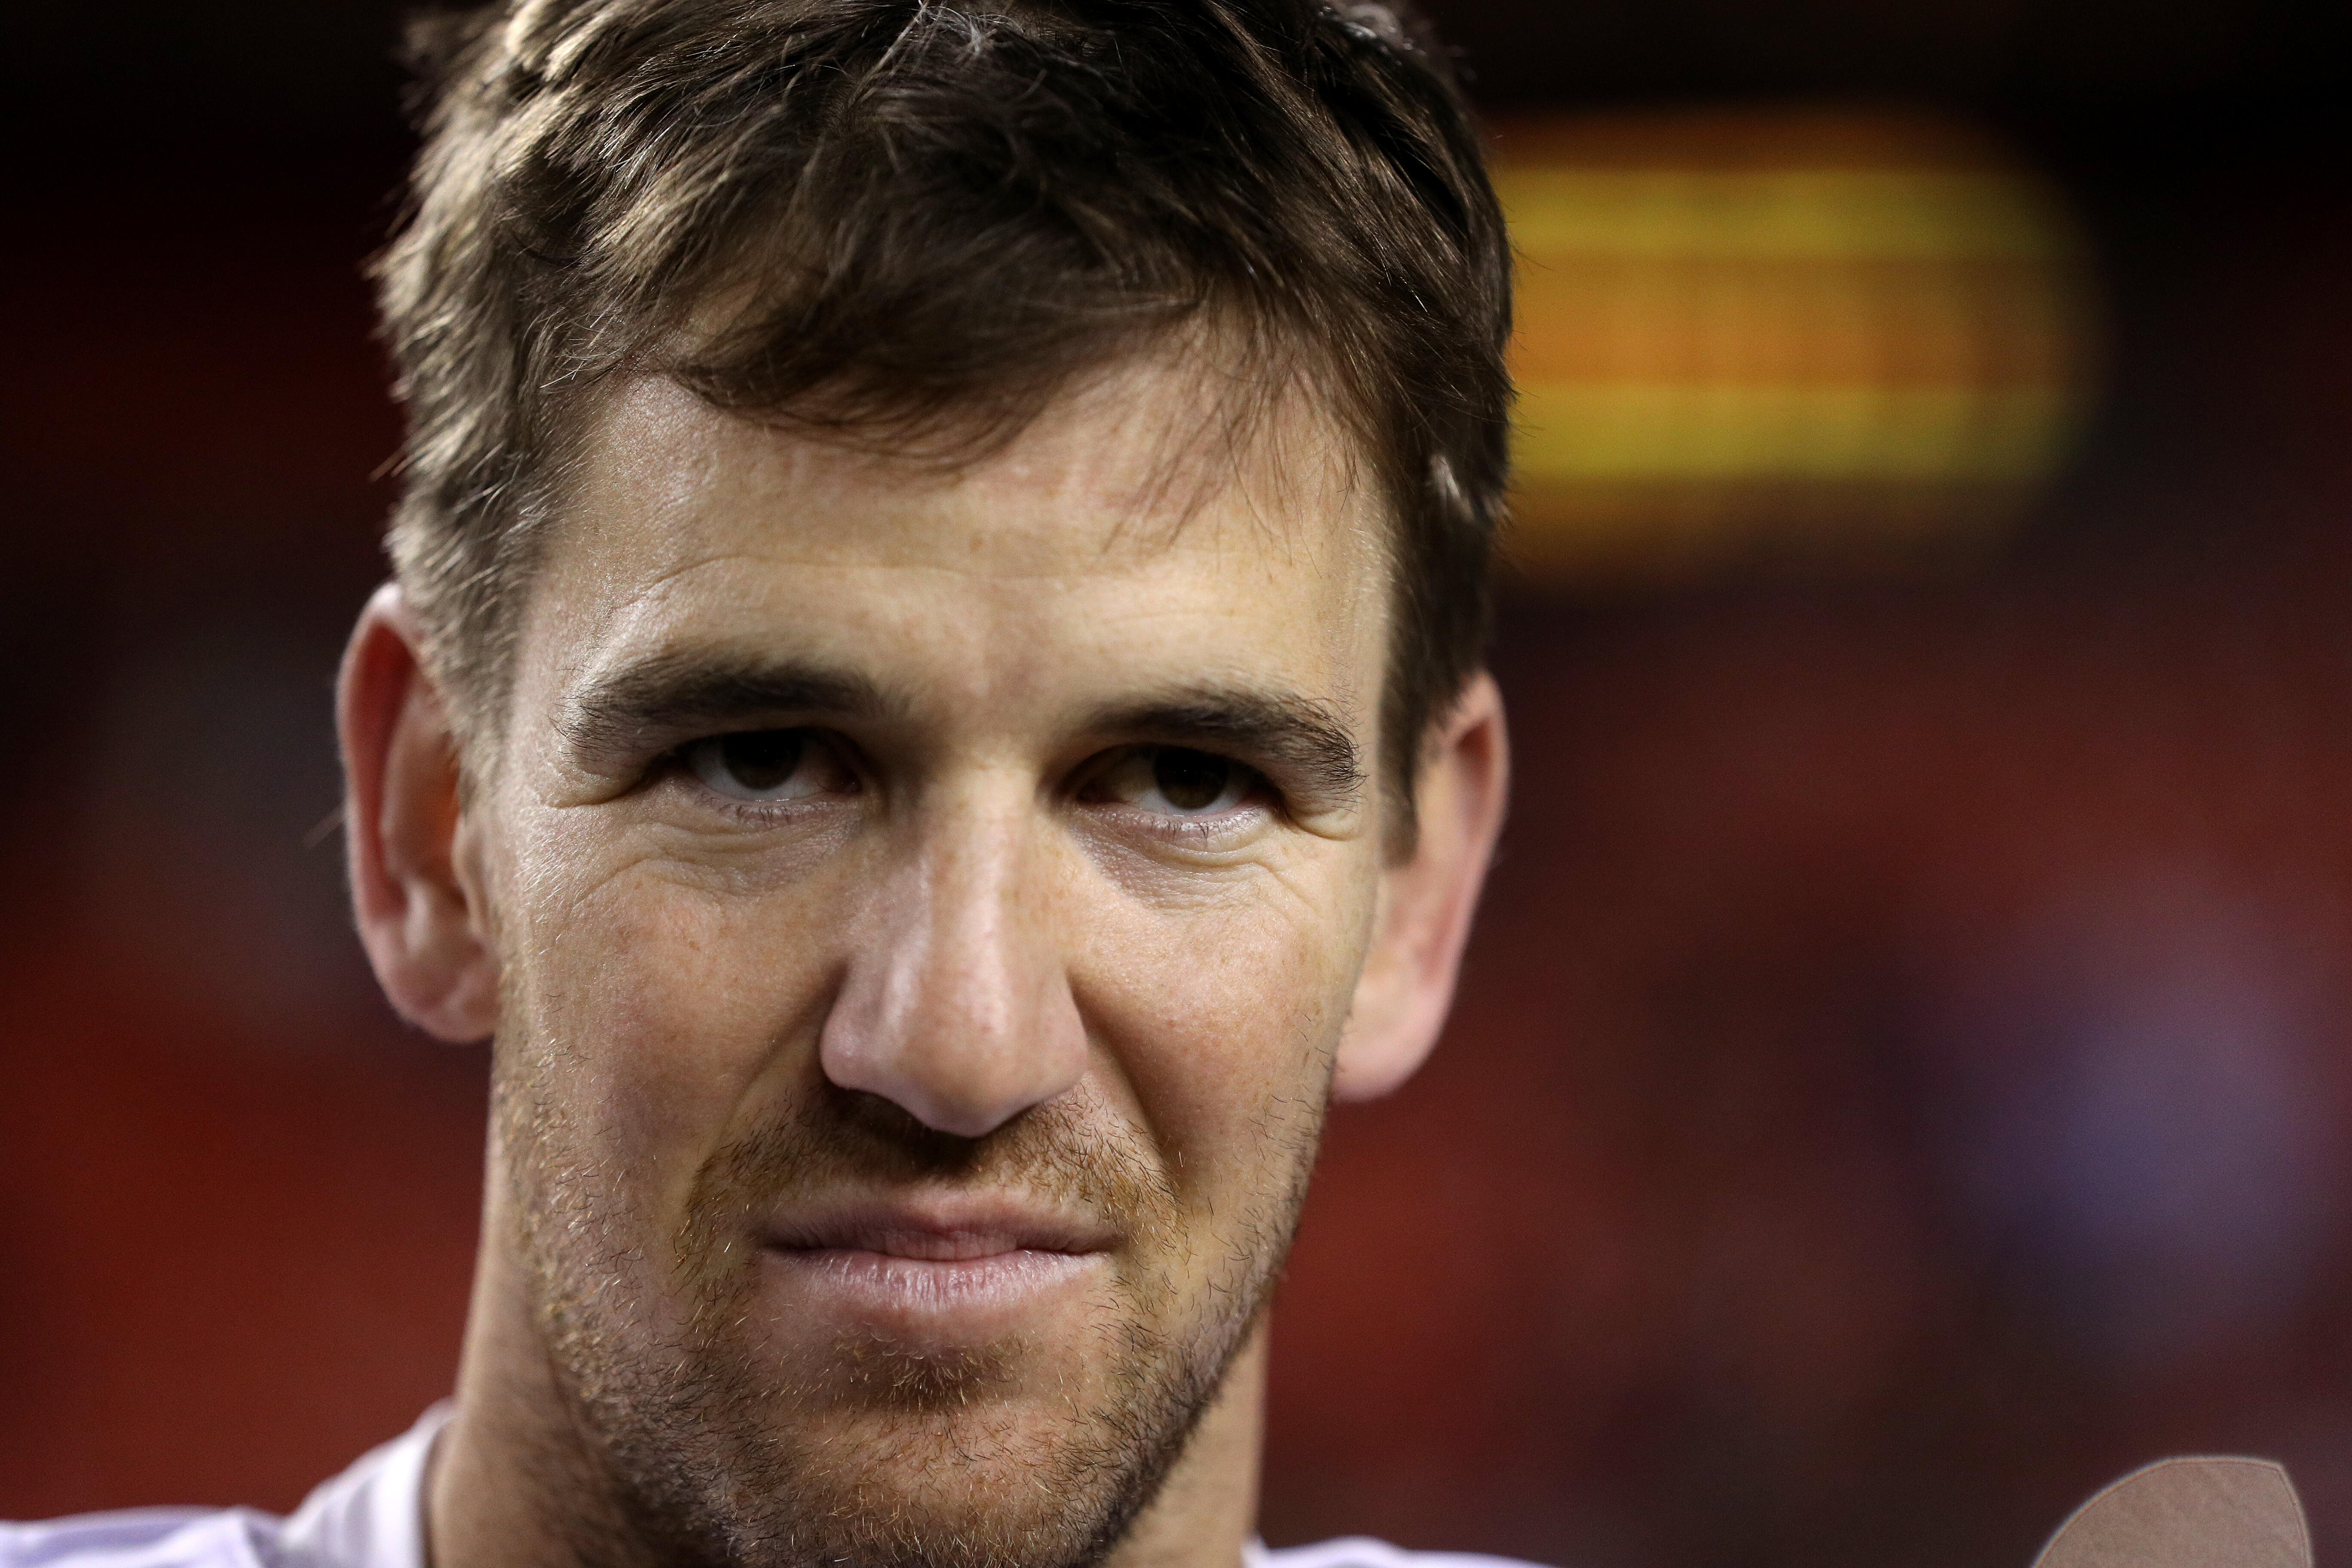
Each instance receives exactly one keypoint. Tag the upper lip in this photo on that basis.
(945, 1229)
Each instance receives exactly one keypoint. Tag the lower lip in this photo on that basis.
(955, 1297)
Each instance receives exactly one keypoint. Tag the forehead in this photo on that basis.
(1134, 522)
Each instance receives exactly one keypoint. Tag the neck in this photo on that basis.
(511, 1477)
(510, 1465)
(1208, 1506)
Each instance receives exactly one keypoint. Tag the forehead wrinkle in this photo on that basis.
(1192, 422)
(975, 565)
(604, 648)
(1197, 416)
(632, 601)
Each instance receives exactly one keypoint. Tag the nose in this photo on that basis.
(957, 1003)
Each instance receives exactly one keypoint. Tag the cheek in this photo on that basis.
(1223, 1019)
(666, 1007)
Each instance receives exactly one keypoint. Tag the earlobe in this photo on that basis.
(417, 906)
(1427, 901)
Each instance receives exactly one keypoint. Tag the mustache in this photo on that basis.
(1071, 1152)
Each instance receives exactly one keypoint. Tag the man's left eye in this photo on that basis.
(1176, 781)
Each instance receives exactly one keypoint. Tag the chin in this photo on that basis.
(851, 1350)
(998, 1488)
(893, 1457)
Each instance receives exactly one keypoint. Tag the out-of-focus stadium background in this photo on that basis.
(1904, 1074)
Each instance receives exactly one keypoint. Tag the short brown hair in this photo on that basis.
(913, 213)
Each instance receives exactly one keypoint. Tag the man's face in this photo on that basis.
(927, 904)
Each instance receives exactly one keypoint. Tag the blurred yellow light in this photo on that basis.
(1781, 333)
(1665, 431)
(1822, 213)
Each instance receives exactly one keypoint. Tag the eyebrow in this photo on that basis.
(662, 699)
(1297, 736)
(669, 697)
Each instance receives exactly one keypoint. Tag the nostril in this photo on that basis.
(952, 1083)
(956, 1069)
(968, 1120)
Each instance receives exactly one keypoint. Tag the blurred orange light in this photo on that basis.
(1781, 333)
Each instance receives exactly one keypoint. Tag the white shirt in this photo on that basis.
(373, 1516)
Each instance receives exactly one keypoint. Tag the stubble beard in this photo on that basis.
(683, 1445)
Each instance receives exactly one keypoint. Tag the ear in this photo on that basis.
(415, 888)
(1426, 900)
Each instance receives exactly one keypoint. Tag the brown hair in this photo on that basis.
(918, 217)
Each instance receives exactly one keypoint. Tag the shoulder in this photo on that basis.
(144, 1538)
(371, 1516)
(1363, 1552)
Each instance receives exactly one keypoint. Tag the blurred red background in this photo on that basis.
(1901, 1075)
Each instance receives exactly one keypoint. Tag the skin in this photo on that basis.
(896, 1166)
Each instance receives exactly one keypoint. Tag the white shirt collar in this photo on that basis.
(372, 1515)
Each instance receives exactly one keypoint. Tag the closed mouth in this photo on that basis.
(946, 1231)
(940, 1274)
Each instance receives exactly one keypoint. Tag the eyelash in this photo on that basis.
(1193, 832)
(1258, 790)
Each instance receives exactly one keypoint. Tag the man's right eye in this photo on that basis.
(769, 764)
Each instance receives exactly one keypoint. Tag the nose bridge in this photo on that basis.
(957, 1003)
(970, 960)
